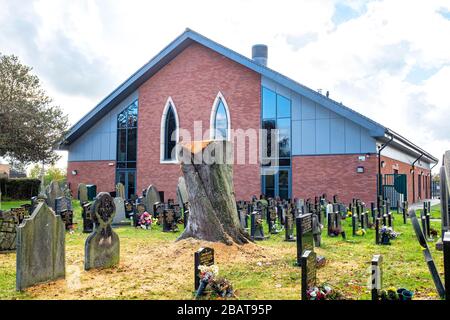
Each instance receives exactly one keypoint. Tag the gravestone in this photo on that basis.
(120, 190)
(40, 248)
(130, 209)
(289, 224)
(88, 221)
(317, 230)
(91, 191)
(305, 238)
(182, 195)
(377, 276)
(377, 230)
(427, 254)
(120, 216)
(257, 228)
(53, 192)
(102, 247)
(169, 222)
(446, 249)
(151, 197)
(63, 208)
(309, 275)
(82, 193)
(203, 257)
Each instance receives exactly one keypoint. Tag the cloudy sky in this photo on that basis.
(389, 60)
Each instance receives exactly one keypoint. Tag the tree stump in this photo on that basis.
(207, 167)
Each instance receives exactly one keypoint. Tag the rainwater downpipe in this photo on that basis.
(413, 173)
(380, 179)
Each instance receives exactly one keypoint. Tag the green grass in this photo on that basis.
(7, 205)
(436, 211)
(270, 274)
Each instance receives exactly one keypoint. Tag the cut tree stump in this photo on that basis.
(213, 213)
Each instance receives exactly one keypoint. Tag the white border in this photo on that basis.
(163, 129)
(213, 113)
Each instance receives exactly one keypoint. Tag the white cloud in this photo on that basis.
(82, 50)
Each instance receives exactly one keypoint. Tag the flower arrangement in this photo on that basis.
(323, 292)
(211, 286)
(361, 232)
(389, 232)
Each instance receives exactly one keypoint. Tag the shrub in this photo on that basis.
(21, 188)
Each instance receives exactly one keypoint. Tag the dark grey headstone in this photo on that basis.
(203, 257)
(102, 247)
(53, 191)
(182, 195)
(305, 238)
(446, 249)
(40, 248)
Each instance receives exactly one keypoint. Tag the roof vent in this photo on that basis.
(259, 54)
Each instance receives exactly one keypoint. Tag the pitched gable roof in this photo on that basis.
(178, 45)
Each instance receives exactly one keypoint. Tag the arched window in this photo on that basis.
(220, 124)
(169, 133)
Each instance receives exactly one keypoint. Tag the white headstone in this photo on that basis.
(120, 211)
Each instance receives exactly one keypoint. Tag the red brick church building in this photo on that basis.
(324, 146)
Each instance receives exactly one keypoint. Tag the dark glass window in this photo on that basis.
(127, 136)
(220, 122)
(284, 137)
(170, 135)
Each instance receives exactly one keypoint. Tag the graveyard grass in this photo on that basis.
(154, 266)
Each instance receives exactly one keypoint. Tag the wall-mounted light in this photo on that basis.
(74, 172)
(411, 171)
(111, 164)
(360, 169)
(362, 158)
(383, 164)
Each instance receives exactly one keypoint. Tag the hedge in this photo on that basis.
(18, 189)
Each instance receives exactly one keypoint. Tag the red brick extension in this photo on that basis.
(99, 173)
(404, 168)
(334, 174)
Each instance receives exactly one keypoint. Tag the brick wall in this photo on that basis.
(404, 168)
(334, 174)
(193, 80)
(99, 173)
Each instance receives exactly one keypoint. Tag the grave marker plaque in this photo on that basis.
(120, 216)
(203, 257)
(82, 193)
(151, 197)
(309, 275)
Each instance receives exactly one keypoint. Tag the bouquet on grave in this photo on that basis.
(389, 232)
(212, 286)
(323, 292)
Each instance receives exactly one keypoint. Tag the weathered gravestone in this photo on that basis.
(376, 276)
(82, 193)
(53, 192)
(427, 254)
(102, 247)
(182, 195)
(309, 272)
(40, 248)
(120, 217)
(203, 257)
(169, 222)
(151, 197)
(120, 191)
(289, 223)
(305, 238)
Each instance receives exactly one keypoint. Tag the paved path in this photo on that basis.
(419, 205)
